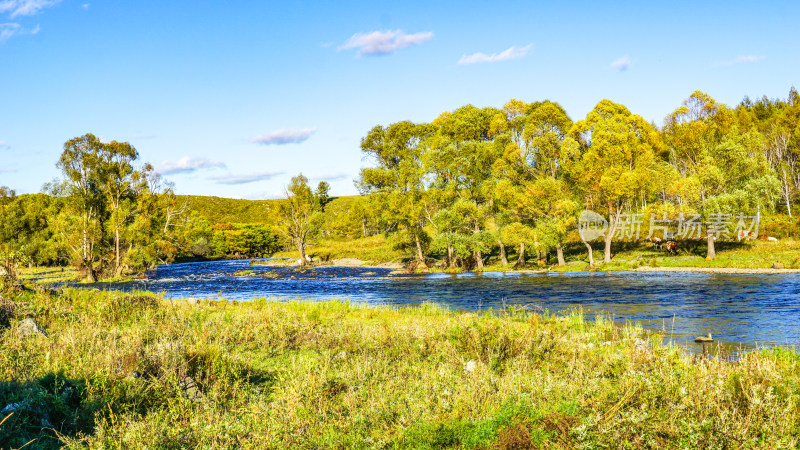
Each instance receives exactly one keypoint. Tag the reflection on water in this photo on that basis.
(740, 309)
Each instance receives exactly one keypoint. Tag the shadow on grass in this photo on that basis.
(35, 413)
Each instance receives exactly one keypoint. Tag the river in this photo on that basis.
(740, 310)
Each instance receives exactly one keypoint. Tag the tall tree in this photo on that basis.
(118, 177)
(81, 229)
(725, 171)
(299, 221)
(398, 181)
(613, 161)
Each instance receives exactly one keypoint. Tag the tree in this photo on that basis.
(460, 160)
(397, 184)
(323, 193)
(81, 228)
(724, 169)
(298, 219)
(613, 161)
(118, 177)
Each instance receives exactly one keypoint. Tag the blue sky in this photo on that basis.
(234, 98)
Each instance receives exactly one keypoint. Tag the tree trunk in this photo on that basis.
(116, 252)
(420, 256)
(787, 191)
(451, 262)
(560, 254)
(503, 258)
(521, 258)
(478, 255)
(591, 257)
(301, 247)
(612, 228)
(711, 253)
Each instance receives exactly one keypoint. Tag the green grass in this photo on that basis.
(746, 255)
(48, 274)
(372, 248)
(332, 374)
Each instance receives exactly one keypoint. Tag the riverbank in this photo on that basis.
(120, 370)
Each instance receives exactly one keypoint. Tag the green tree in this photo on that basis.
(323, 194)
(726, 170)
(118, 178)
(613, 161)
(81, 227)
(299, 221)
(397, 185)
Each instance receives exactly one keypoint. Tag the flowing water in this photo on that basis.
(744, 311)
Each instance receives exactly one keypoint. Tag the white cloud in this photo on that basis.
(186, 165)
(284, 136)
(510, 53)
(384, 42)
(246, 177)
(24, 7)
(85, 6)
(8, 29)
(746, 59)
(4, 144)
(264, 195)
(622, 64)
(741, 59)
(331, 177)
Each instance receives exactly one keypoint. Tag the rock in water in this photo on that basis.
(28, 328)
(704, 339)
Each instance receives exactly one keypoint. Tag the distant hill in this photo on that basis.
(231, 210)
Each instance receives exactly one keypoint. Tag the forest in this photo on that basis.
(506, 184)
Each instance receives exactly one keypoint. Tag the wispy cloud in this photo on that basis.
(741, 59)
(246, 177)
(85, 6)
(264, 195)
(622, 64)
(331, 177)
(376, 43)
(16, 8)
(510, 53)
(284, 136)
(187, 165)
(4, 144)
(746, 59)
(9, 29)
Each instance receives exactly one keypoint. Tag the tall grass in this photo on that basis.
(122, 370)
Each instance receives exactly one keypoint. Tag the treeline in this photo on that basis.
(472, 183)
(477, 180)
(106, 215)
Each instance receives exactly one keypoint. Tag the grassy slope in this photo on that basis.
(230, 210)
(306, 375)
(371, 248)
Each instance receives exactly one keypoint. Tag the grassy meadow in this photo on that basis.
(134, 371)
